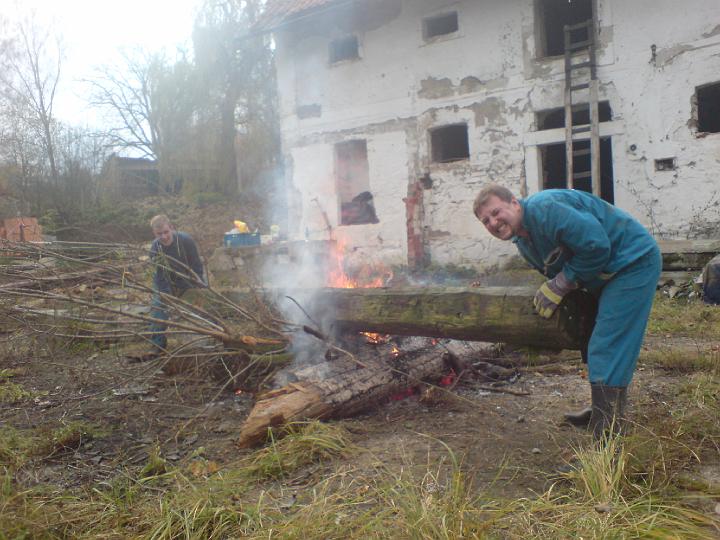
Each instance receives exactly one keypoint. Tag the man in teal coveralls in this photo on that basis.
(578, 240)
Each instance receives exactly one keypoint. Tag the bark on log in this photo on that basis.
(494, 314)
(338, 389)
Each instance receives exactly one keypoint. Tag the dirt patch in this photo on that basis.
(510, 444)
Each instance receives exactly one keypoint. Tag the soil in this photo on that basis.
(511, 444)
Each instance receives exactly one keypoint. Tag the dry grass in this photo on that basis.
(688, 317)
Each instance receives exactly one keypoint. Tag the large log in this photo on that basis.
(494, 314)
(338, 389)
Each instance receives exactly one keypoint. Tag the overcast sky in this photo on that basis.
(94, 31)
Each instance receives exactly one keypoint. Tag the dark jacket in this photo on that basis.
(171, 274)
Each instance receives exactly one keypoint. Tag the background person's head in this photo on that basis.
(499, 211)
(162, 229)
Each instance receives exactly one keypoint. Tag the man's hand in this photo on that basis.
(550, 294)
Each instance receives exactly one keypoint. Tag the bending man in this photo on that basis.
(580, 241)
(177, 268)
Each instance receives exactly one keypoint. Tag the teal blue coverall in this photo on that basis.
(607, 252)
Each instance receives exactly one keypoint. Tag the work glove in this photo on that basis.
(550, 294)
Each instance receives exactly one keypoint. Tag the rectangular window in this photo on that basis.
(345, 48)
(440, 25)
(555, 118)
(353, 183)
(554, 167)
(708, 108)
(551, 18)
(449, 143)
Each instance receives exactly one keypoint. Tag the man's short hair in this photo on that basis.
(501, 192)
(160, 221)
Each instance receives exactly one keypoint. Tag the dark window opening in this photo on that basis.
(708, 108)
(555, 118)
(449, 143)
(554, 168)
(665, 164)
(440, 25)
(552, 17)
(346, 48)
(353, 183)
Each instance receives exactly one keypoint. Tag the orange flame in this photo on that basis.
(395, 352)
(368, 276)
(374, 338)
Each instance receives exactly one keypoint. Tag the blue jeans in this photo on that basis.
(158, 310)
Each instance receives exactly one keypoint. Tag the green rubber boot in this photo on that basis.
(608, 410)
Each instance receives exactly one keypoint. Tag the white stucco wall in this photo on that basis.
(487, 75)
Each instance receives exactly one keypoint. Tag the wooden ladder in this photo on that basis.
(581, 76)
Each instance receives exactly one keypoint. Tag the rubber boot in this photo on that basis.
(608, 410)
(579, 418)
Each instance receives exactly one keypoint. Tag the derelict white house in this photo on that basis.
(395, 112)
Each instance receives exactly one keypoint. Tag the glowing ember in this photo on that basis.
(368, 276)
(395, 352)
(448, 379)
(375, 339)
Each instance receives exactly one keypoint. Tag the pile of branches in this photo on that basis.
(102, 292)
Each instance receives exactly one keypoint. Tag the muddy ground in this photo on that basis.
(511, 444)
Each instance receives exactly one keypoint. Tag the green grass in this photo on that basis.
(11, 392)
(688, 317)
(682, 360)
(302, 443)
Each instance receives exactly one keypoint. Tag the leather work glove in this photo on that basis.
(550, 294)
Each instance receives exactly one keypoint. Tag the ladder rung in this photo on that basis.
(581, 65)
(582, 175)
(581, 129)
(577, 87)
(580, 45)
(578, 26)
(583, 152)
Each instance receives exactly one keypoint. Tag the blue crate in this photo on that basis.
(241, 239)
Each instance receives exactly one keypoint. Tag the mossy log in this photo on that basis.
(495, 314)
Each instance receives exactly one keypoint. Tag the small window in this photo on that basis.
(440, 25)
(344, 49)
(552, 16)
(449, 143)
(555, 118)
(665, 164)
(353, 183)
(708, 108)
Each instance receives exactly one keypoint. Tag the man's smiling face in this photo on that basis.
(164, 233)
(502, 219)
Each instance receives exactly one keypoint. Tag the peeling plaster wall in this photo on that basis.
(487, 76)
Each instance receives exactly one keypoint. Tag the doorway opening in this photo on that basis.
(554, 167)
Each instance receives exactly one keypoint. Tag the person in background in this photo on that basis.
(177, 268)
(578, 240)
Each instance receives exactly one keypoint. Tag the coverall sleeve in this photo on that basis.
(583, 235)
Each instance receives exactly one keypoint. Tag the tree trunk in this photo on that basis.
(338, 389)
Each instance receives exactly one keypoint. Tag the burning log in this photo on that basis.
(493, 314)
(339, 389)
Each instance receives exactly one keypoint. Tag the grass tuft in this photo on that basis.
(11, 392)
(303, 443)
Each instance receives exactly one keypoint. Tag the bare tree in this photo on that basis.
(32, 66)
(125, 92)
